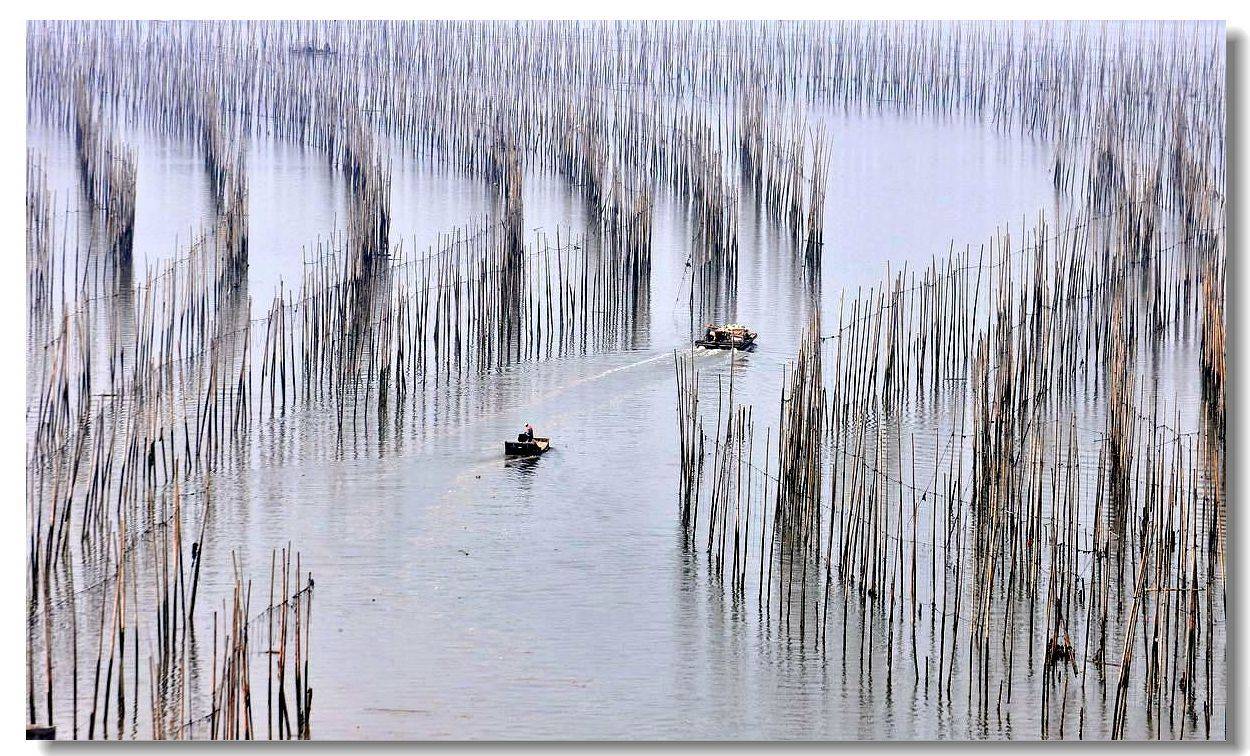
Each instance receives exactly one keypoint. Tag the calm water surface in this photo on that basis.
(462, 595)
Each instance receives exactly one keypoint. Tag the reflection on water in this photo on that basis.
(523, 470)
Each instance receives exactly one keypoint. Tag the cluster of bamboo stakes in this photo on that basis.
(286, 651)
(128, 410)
(108, 174)
(1094, 553)
(1038, 78)
(40, 254)
(435, 107)
(114, 528)
(224, 160)
(790, 182)
(474, 303)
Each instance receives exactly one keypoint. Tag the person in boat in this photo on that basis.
(528, 435)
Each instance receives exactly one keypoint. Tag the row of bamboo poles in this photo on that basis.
(1042, 78)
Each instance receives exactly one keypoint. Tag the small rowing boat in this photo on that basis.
(732, 336)
(520, 448)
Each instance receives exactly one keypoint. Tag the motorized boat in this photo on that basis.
(524, 448)
(732, 336)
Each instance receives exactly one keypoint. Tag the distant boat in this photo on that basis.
(732, 336)
(520, 448)
(310, 50)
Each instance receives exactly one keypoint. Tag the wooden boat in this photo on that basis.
(733, 336)
(526, 448)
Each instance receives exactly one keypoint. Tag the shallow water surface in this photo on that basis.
(459, 594)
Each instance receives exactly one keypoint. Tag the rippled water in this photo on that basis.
(462, 595)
